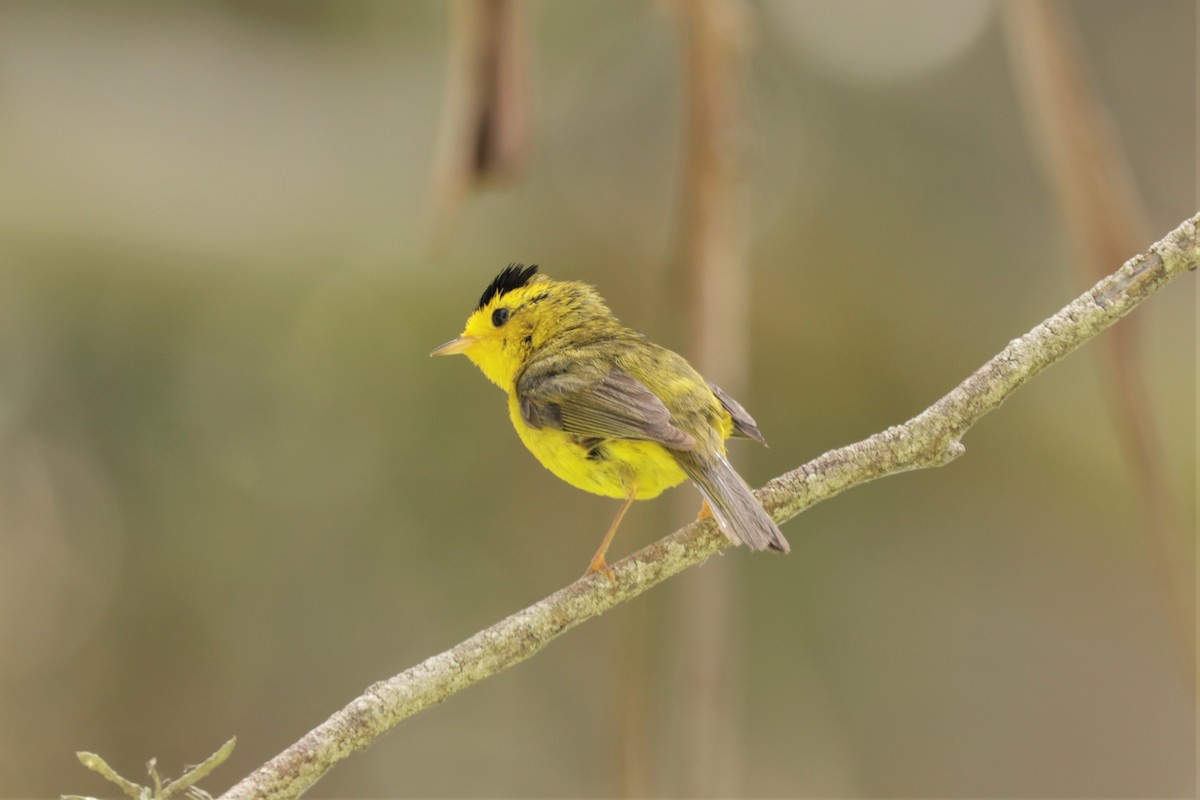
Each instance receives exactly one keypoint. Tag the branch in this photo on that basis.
(930, 439)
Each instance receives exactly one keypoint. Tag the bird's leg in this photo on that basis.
(598, 563)
(705, 509)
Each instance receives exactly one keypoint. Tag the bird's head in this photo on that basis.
(519, 313)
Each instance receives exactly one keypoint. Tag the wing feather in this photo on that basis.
(743, 423)
(592, 402)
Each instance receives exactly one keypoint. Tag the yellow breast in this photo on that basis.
(609, 468)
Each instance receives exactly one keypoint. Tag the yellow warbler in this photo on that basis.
(605, 409)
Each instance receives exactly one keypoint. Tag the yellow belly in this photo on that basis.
(620, 465)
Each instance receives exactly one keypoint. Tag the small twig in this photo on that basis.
(186, 781)
(98, 765)
(184, 784)
(930, 439)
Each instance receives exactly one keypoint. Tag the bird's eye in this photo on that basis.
(500, 316)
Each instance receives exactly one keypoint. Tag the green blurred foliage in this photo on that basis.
(234, 490)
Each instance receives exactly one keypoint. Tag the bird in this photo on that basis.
(607, 410)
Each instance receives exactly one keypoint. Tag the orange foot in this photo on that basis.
(599, 565)
(705, 510)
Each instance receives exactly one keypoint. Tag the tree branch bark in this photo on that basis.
(930, 439)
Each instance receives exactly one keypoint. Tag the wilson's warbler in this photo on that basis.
(606, 410)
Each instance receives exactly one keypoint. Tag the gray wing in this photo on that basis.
(592, 402)
(743, 423)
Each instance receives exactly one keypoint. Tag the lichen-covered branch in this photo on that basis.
(930, 439)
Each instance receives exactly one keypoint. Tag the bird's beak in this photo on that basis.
(459, 345)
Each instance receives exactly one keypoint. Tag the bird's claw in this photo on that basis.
(599, 565)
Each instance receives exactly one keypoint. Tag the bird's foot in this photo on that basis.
(600, 565)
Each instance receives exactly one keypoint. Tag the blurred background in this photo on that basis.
(234, 489)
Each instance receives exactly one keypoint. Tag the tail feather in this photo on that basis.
(741, 516)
